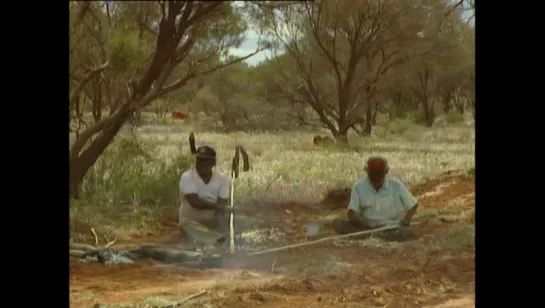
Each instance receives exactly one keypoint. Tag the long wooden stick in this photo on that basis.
(231, 216)
(190, 297)
(335, 237)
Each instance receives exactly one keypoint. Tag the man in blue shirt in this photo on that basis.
(378, 201)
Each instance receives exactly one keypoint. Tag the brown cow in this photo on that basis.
(179, 115)
(322, 140)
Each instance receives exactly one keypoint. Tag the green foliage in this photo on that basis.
(399, 126)
(399, 111)
(454, 117)
(418, 116)
(127, 51)
(125, 172)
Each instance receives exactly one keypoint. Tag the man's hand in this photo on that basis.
(358, 220)
(405, 222)
(226, 210)
(405, 233)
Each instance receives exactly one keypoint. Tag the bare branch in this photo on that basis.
(92, 74)
(83, 10)
(234, 61)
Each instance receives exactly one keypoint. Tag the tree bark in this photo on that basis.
(80, 164)
(341, 138)
(368, 120)
(429, 114)
(375, 112)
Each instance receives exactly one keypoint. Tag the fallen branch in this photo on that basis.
(95, 235)
(190, 297)
(324, 240)
(110, 243)
(83, 247)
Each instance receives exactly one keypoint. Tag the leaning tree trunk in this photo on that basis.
(81, 163)
(97, 102)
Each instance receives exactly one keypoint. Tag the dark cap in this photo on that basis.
(205, 152)
(377, 163)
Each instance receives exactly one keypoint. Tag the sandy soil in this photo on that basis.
(331, 274)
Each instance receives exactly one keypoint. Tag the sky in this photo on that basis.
(248, 47)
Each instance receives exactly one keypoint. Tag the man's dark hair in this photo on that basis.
(205, 152)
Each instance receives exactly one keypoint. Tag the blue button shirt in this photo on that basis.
(382, 208)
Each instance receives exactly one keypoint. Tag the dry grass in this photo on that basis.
(284, 167)
(287, 164)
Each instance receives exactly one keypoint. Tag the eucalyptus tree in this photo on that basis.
(124, 55)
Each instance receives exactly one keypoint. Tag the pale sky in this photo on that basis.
(249, 46)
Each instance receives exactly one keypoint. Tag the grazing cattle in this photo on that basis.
(179, 115)
(322, 141)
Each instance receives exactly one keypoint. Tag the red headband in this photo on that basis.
(376, 165)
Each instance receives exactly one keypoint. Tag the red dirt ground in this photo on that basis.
(323, 275)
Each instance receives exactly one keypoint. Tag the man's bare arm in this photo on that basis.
(356, 219)
(410, 213)
(198, 203)
(223, 202)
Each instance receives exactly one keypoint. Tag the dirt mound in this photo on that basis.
(447, 192)
(433, 193)
(337, 198)
(330, 274)
(393, 280)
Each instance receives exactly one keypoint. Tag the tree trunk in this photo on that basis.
(429, 114)
(375, 112)
(446, 106)
(342, 138)
(447, 99)
(368, 120)
(80, 165)
(460, 105)
(97, 103)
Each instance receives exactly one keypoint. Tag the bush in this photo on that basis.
(126, 188)
(126, 172)
(454, 117)
(418, 116)
(399, 127)
(399, 112)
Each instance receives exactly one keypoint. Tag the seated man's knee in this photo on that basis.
(400, 235)
(342, 226)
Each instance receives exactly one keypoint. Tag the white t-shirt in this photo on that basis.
(191, 183)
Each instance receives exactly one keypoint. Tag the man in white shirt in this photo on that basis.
(204, 193)
(378, 201)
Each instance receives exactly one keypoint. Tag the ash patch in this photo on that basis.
(259, 239)
(110, 257)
